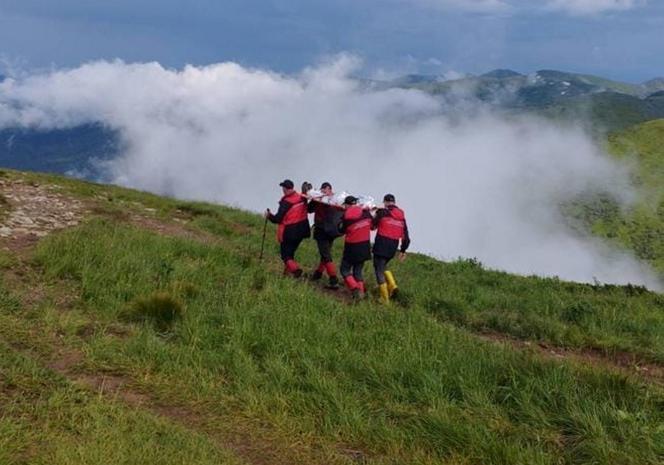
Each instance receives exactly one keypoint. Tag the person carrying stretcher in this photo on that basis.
(293, 221)
(391, 226)
(356, 225)
(326, 229)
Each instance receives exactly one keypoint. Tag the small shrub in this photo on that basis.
(246, 261)
(448, 310)
(259, 279)
(194, 209)
(164, 271)
(577, 312)
(160, 308)
(8, 302)
(470, 263)
(215, 225)
(632, 289)
(403, 298)
(185, 289)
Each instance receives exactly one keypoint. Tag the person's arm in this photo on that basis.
(343, 224)
(279, 216)
(380, 213)
(405, 240)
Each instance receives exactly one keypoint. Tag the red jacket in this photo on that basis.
(357, 225)
(292, 218)
(392, 228)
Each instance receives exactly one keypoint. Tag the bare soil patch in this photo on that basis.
(34, 211)
(622, 362)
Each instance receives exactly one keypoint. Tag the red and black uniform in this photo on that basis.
(356, 225)
(326, 230)
(391, 228)
(293, 222)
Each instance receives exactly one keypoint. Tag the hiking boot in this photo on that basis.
(358, 294)
(384, 294)
(316, 276)
(333, 283)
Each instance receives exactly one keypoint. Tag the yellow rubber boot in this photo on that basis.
(391, 282)
(384, 294)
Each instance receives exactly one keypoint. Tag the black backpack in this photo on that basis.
(332, 222)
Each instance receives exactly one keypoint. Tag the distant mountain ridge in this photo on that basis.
(586, 82)
(600, 103)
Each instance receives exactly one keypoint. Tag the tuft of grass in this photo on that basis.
(160, 309)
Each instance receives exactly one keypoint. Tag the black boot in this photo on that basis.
(333, 284)
(316, 275)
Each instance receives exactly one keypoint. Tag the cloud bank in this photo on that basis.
(477, 186)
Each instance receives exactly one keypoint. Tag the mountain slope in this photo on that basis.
(153, 322)
(640, 226)
(599, 103)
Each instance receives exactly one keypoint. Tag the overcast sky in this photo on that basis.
(620, 39)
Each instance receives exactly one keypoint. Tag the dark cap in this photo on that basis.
(326, 185)
(388, 198)
(350, 200)
(287, 183)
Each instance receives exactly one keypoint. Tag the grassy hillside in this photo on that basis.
(150, 333)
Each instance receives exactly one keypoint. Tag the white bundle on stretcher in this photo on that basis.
(365, 201)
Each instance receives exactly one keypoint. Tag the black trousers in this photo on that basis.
(288, 249)
(354, 268)
(325, 249)
(380, 265)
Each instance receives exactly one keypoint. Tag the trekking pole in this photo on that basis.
(260, 257)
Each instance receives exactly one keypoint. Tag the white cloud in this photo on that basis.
(481, 186)
(591, 7)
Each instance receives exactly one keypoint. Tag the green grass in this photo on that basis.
(46, 420)
(282, 363)
(392, 383)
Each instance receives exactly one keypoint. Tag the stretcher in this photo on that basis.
(365, 201)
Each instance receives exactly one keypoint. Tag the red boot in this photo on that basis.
(293, 268)
(351, 284)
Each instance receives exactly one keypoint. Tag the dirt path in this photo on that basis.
(248, 441)
(36, 210)
(621, 362)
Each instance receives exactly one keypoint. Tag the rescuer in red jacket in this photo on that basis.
(356, 225)
(326, 229)
(293, 221)
(392, 229)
